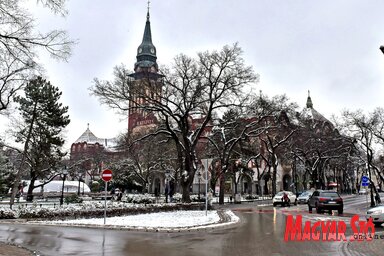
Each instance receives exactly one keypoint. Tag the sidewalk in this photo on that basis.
(8, 249)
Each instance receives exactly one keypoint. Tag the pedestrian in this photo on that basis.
(286, 199)
(119, 195)
(166, 193)
(171, 190)
(157, 194)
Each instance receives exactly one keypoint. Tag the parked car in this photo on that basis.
(377, 215)
(325, 200)
(278, 198)
(363, 191)
(303, 197)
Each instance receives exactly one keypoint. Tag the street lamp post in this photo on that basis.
(64, 175)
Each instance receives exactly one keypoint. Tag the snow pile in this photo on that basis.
(176, 219)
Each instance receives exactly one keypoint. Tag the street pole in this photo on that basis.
(105, 201)
(106, 176)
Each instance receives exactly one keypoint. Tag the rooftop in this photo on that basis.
(91, 138)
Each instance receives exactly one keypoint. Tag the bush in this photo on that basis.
(73, 199)
(140, 199)
(90, 209)
(95, 186)
(251, 197)
(7, 214)
(195, 198)
(177, 198)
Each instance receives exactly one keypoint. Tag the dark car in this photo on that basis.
(325, 200)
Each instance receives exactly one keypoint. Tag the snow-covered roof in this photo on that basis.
(90, 138)
(309, 113)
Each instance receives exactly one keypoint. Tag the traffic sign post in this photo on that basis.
(106, 176)
(365, 183)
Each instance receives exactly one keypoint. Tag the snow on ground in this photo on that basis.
(160, 220)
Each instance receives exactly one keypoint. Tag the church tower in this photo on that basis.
(146, 84)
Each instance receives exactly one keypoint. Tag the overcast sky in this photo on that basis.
(330, 47)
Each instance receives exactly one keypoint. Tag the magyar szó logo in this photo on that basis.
(330, 230)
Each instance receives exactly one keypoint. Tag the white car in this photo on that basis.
(278, 198)
(304, 197)
(363, 191)
(377, 215)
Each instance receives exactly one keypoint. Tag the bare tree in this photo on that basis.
(225, 139)
(19, 42)
(272, 131)
(321, 149)
(212, 81)
(362, 127)
(147, 158)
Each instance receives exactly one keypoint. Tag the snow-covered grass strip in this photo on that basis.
(175, 219)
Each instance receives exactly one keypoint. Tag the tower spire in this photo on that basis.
(309, 101)
(146, 52)
(148, 10)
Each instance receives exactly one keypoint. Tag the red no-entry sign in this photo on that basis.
(106, 175)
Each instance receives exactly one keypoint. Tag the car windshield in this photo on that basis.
(280, 194)
(304, 194)
(329, 194)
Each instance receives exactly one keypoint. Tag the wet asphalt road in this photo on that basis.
(260, 232)
(257, 233)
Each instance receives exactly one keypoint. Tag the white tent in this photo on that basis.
(57, 185)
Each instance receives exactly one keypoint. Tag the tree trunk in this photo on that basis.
(186, 184)
(274, 178)
(222, 188)
(186, 195)
(23, 159)
(30, 190)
